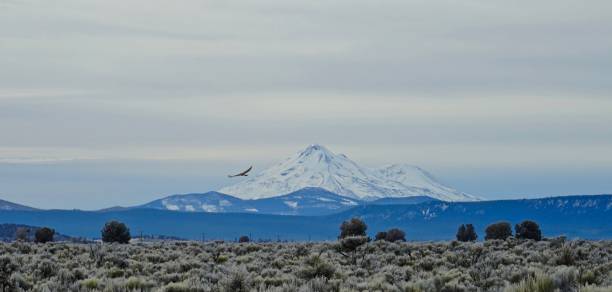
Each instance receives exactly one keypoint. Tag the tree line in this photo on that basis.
(115, 231)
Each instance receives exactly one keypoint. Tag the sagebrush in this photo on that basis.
(497, 265)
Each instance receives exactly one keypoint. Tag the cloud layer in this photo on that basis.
(449, 85)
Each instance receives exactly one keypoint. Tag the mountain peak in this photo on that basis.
(316, 166)
(314, 149)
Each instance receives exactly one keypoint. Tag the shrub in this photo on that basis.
(91, 284)
(350, 245)
(566, 278)
(395, 234)
(44, 235)
(45, 269)
(382, 235)
(539, 283)
(466, 232)
(500, 230)
(588, 277)
(566, 256)
(316, 267)
(237, 281)
(138, 284)
(528, 230)
(353, 227)
(244, 238)
(7, 267)
(115, 231)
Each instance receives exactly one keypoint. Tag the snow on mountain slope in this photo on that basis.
(318, 167)
(307, 201)
(422, 182)
(211, 202)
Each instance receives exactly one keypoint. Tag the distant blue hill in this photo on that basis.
(9, 206)
(401, 201)
(574, 216)
(307, 201)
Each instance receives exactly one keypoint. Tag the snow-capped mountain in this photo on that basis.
(316, 166)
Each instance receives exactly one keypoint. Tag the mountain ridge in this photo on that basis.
(307, 201)
(585, 216)
(10, 206)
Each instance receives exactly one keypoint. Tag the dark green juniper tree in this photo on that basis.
(44, 235)
(500, 230)
(466, 233)
(115, 231)
(528, 230)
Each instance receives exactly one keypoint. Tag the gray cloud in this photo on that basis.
(444, 84)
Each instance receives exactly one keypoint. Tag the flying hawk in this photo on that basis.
(244, 173)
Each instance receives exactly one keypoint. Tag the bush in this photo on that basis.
(539, 283)
(348, 264)
(466, 232)
(90, 284)
(395, 234)
(237, 281)
(500, 230)
(528, 230)
(7, 267)
(244, 238)
(353, 227)
(382, 235)
(115, 231)
(44, 235)
(316, 267)
(348, 246)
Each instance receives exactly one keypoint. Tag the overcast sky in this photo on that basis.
(119, 102)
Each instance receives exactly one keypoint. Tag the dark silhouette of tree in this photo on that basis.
(21, 234)
(382, 235)
(395, 234)
(466, 232)
(115, 231)
(44, 235)
(500, 230)
(353, 227)
(244, 238)
(528, 230)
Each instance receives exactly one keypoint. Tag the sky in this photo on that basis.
(106, 103)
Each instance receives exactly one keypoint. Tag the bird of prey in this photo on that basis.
(244, 173)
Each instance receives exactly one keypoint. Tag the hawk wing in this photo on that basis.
(242, 173)
(246, 171)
